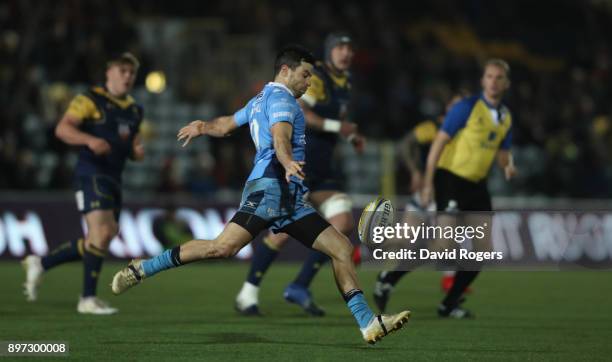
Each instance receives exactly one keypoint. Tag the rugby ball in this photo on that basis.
(377, 213)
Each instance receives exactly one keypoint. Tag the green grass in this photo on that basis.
(188, 314)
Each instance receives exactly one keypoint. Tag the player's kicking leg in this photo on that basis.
(234, 237)
(313, 231)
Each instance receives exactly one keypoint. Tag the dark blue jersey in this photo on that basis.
(115, 120)
(328, 96)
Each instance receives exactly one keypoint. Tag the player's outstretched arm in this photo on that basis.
(281, 133)
(218, 127)
(435, 151)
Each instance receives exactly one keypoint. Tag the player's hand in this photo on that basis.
(99, 146)
(138, 153)
(358, 141)
(426, 195)
(192, 130)
(294, 168)
(347, 129)
(510, 171)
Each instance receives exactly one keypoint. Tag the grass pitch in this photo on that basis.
(187, 314)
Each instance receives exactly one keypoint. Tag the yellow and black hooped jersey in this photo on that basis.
(115, 120)
(478, 131)
(328, 96)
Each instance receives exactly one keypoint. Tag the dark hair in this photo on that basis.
(292, 56)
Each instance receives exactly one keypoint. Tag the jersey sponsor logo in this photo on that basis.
(282, 114)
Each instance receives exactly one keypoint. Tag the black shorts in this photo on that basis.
(453, 193)
(305, 230)
(98, 192)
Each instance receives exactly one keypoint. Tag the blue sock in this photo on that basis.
(359, 307)
(166, 260)
(264, 256)
(311, 267)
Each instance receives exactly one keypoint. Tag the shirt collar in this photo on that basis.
(122, 102)
(489, 105)
(280, 85)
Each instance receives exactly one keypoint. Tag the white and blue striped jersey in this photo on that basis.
(275, 103)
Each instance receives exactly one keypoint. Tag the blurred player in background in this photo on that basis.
(414, 148)
(475, 131)
(274, 193)
(413, 151)
(103, 122)
(325, 106)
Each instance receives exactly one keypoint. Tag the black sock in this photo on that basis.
(264, 256)
(351, 293)
(175, 256)
(92, 264)
(311, 267)
(391, 277)
(68, 251)
(462, 280)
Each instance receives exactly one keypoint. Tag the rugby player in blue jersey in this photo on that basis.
(273, 195)
(103, 123)
(325, 107)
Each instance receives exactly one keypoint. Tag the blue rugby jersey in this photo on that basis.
(275, 103)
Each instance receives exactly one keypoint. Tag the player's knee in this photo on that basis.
(276, 241)
(103, 234)
(109, 232)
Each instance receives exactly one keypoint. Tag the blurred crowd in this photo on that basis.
(411, 57)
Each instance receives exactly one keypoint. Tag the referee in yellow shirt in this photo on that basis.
(476, 131)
